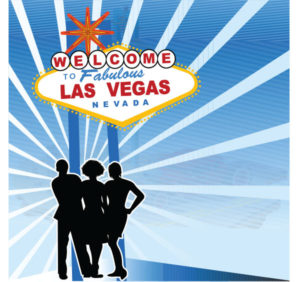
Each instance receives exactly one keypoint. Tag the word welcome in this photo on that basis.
(113, 59)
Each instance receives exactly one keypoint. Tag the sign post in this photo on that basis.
(74, 160)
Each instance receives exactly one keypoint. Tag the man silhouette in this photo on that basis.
(69, 216)
(117, 191)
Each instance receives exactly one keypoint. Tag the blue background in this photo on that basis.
(236, 234)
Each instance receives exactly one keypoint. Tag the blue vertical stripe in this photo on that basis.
(74, 157)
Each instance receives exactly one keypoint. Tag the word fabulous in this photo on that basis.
(113, 59)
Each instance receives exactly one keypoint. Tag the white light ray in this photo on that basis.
(104, 177)
(29, 174)
(29, 207)
(96, 13)
(249, 9)
(131, 133)
(69, 255)
(31, 253)
(170, 215)
(139, 253)
(97, 5)
(22, 17)
(96, 139)
(87, 124)
(17, 124)
(181, 11)
(61, 23)
(15, 80)
(102, 149)
(249, 191)
(132, 19)
(16, 150)
(261, 137)
(61, 126)
(105, 160)
(50, 259)
(261, 76)
(26, 191)
(25, 25)
(29, 227)
(161, 241)
(181, 219)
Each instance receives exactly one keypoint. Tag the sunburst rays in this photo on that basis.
(261, 76)
(28, 174)
(280, 192)
(271, 70)
(27, 191)
(102, 149)
(50, 259)
(61, 24)
(132, 19)
(29, 227)
(99, 127)
(258, 138)
(22, 17)
(135, 248)
(162, 242)
(29, 135)
(248, 10)
(29, 207)
(13, 77)
(18, 271)
(18, 151)
(180, 13)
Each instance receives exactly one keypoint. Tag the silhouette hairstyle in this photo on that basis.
(115, 170)
(92, 168)
(62, 166)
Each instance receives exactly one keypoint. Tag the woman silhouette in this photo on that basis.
(95, 205)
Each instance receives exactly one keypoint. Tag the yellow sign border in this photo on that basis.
(111, 120)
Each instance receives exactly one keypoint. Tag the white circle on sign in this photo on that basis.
(148, 58)
(60, 61)
(131, 59)
(79, 60)
(97, 59)
(166, 59)
(114, 59)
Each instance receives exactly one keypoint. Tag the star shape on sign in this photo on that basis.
(87, 32)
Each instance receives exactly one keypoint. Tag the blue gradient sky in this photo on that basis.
(264, 38)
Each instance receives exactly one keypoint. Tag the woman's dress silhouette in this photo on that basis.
(95, 205)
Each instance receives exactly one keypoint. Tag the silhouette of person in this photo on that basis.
(69, 215)
(117, 191)
(95, 205)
